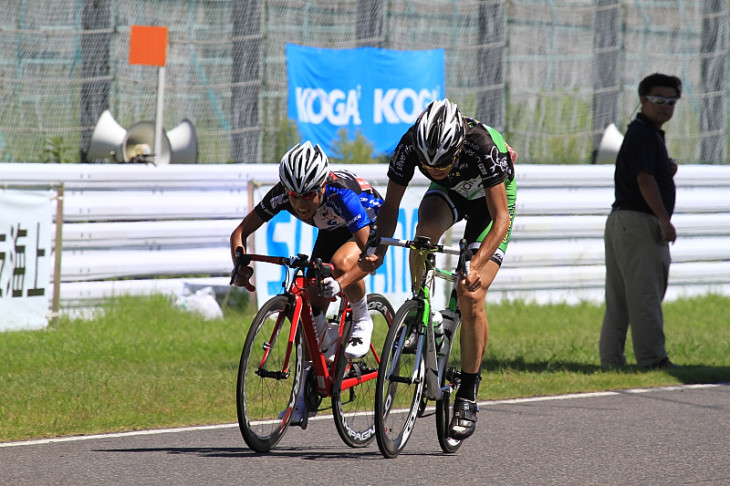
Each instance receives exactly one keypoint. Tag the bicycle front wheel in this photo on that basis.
(354, 390)
(269, 376)
(451, 362)
(399, 386)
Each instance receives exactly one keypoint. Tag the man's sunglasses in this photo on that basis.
(442, 166)
(661, 100)
(439, 167)
(303, 195)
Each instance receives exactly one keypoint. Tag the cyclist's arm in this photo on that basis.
(248, 225)
(496, 200)
(388, 215)
(386, 222)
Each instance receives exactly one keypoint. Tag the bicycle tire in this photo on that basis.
(444, 406)
(399, 386)
(261, 398)
(353, 407)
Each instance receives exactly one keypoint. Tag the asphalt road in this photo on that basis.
(666, 436)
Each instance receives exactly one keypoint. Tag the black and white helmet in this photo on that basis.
(440, 134)
(303, 168)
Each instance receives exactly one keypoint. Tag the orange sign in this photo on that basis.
(148, 45)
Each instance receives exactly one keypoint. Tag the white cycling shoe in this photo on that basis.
(359, 343)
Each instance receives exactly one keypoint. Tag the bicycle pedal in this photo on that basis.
(409, 346)
(301, 423)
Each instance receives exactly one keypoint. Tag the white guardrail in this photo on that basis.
(125, 226)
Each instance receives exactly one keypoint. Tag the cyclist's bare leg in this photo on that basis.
(474, 336)
(475, 327)
(434, 218)
(344, 259)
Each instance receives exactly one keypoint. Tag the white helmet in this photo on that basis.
(440, 133)
(303, 168)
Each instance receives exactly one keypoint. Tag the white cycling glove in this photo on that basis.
(331, 287)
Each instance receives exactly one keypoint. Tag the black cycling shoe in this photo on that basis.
(464, 421)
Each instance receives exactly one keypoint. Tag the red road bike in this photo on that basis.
(271, 366)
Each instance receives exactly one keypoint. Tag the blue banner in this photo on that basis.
(376, 92)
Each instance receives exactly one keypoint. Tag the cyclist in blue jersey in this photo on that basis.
(472, 173)
(342, 206)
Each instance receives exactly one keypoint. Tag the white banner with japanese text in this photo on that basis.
(25, 258)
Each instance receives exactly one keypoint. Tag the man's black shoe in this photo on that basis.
(664, 364)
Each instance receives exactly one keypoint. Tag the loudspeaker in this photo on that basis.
(183, 143)
(609, 146)
(106, 141)
(143, 133)
(111, 142)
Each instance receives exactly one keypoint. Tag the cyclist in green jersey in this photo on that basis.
(472, 173)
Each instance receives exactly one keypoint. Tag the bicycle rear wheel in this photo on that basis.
(444, 406)
(266, 392)
(354, 390)
(399, 386)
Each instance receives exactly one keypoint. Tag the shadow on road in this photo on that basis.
(241, 452)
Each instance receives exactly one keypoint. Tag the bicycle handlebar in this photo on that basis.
(419, 243)
(300, 261)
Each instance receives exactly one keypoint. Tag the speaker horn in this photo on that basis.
(609, 146)
(111, 142)
(141, 138)
(107, 139)
(183, 143)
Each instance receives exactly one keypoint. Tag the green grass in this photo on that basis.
(547, 350)
(146, 364)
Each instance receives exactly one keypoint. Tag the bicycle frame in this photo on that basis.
(298, 294)
(421, 293)
(274, 340)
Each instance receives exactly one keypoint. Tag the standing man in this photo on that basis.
(472, 173)
(639, 230)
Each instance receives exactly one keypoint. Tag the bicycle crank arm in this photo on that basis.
(404, 379)
(278, 375)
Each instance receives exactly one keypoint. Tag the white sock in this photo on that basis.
(362, 324)
(360, 310)
(362, 328)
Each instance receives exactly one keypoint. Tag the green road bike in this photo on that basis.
(421, 358)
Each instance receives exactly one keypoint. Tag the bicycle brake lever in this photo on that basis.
(237, 265)
(465, 255)
(319, 275)
(372, 244)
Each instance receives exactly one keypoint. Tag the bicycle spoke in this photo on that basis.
(266, 397)
(399, 386)
(354, 393)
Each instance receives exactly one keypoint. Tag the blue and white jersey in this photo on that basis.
(349, 201)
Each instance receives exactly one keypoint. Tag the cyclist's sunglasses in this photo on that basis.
(661, 100)
(303, 195)
(443, 166)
